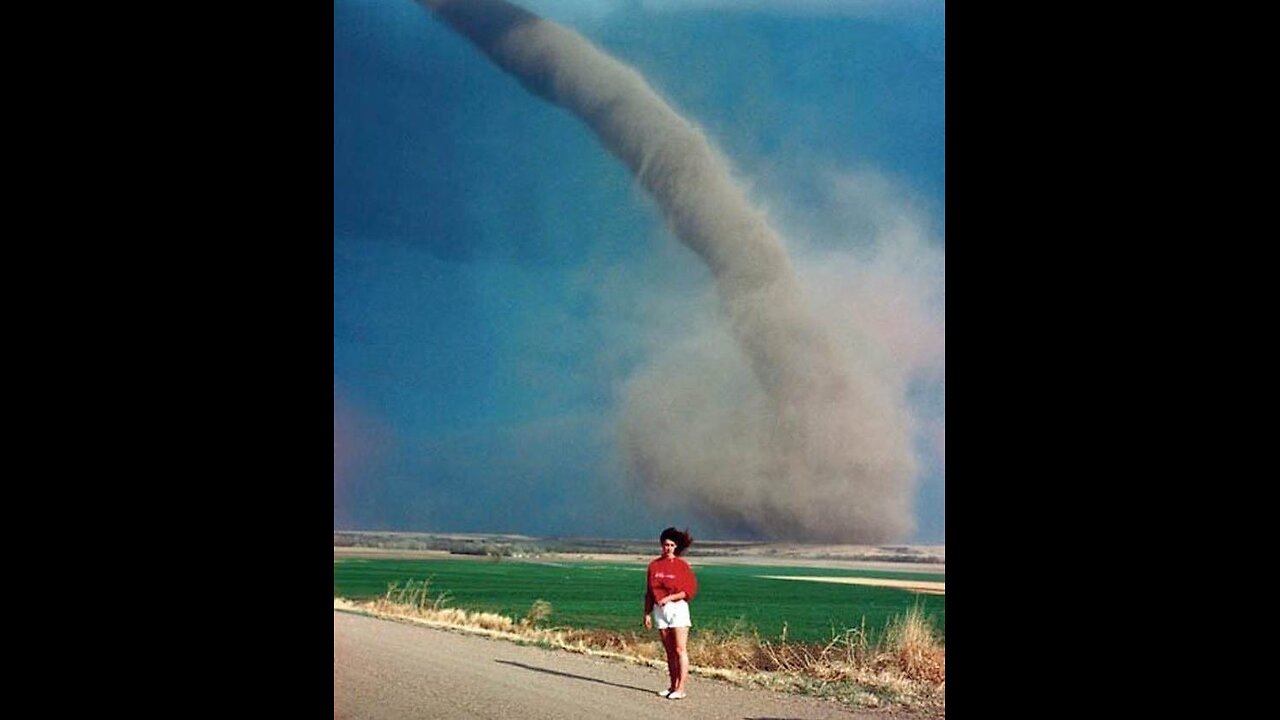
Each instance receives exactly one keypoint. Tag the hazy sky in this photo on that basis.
(499, 278)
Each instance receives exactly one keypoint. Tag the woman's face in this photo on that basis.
(668, 548)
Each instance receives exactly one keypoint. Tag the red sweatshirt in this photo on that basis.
(668, 577)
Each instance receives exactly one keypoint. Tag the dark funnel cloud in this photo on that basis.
(800, 439)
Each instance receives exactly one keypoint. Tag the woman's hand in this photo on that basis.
(648, 622)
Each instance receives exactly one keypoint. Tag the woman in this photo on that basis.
(671, 585)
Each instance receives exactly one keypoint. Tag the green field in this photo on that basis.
(610, 595)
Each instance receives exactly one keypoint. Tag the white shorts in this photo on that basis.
(673, 614)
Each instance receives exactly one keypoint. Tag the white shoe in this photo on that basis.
(676, 695)
(664, 693)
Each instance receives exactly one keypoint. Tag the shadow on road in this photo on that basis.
(576, 677)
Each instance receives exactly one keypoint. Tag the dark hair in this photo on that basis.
(682, 539)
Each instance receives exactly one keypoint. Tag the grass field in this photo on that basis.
(609, 595)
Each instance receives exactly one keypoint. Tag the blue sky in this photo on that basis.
(499, 277)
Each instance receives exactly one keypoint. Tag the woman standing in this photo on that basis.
(671, 585)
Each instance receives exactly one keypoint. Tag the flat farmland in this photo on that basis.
(811, 602)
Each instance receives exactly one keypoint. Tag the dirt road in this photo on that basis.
(384, 669)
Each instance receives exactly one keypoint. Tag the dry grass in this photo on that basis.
(905, 670)
(912, 648)
(538, 612)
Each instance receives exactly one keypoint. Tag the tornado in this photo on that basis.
(805, 443)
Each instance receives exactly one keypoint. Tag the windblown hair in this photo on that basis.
(682, 539)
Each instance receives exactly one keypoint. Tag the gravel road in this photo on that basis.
(384, 669)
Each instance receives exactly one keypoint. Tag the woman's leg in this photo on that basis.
(680, 637)
(673, 661)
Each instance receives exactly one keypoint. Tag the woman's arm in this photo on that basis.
(689, 583)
